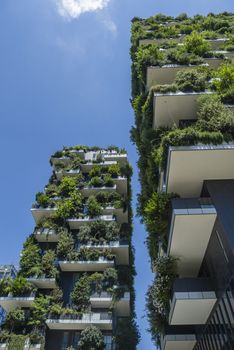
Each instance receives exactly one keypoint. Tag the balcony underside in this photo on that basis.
(75, 266)
(69, 324)
(170, 108)
(192, 302)
(190, 232)
(179, 342)
(10, 303)
(121, 251)
(121, 306)
(199, 163)
(75, 224)
(40, 213)
(43, 283)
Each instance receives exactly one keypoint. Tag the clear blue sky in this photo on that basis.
(65, 80)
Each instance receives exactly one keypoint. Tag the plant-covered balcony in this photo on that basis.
(16, 293)
(178, 338)
(80, 321)
(13, 341)
(88, 260)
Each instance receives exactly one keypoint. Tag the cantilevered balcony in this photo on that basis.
(11, 302)
(46, 235)
(43, 282)
(159, 75)
(84, 266)
(105, 300)
(216, 44)
(39, 213)
(121, 158)
(192, 301)
(172, 107)
(157, 41)
(63, 172)
(120, 249)
(120, 215)
(102, 320)
(178, 338)
(86, 167)
(192, 222)
(199, 163)
(91, 190)
(75, 224)
(214, 62)
(227, 54)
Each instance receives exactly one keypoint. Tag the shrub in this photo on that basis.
(5, 286)
(225, 78)
(14, 319)
(127, 334)
(70, 207)
(80, 295)
(39, 310)
(194, 43)
(96, 182)
(114, 170)
(16, 342)
(93, 207)
(47, 264)
(67, 186)
(95, 171)
(30, 258)
(42, 199)
(190, 80)
(108, 181)
(91, 338)
(65, 245)
(20, 286)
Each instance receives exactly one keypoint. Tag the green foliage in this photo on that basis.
(108, 181)
(95, 171)
(71, 207)
(96, 181)
(43, 200)
(67, 186)
(99, 232)
(65, 245)
(17, 342)
(194, 43)
(5, 286)
(20, 286)
(14, 319)
(80, 295)
(114, 170)
(47, 264)
(158, 295)
(93, 207)
(190, 80)
(127, 335)
(91, 338)
(39, 310)
(30, 258)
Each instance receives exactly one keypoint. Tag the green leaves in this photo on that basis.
(65, 245)
(91, 338)
(93, 207)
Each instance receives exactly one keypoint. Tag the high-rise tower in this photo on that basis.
(74, 289)
(183, 97)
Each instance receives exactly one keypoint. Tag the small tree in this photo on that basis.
(194, 43)
(93, 207)
(65, 245)
(67, 186)
(14, 319)
(30, 258)
(81, 293)
(91, 338)
(47, 264)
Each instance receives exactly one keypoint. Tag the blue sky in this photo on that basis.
(65, 80)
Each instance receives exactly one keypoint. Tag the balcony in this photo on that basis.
(217, 43)
(75, 224)
(86, 167)
(178, 338)
(170, 108)
(10, 302)
(46, 235)
(104, 300)
(192, 301)
(43, 282)
(121, 183)
(157, 41)
(101, 320)
(120, 215)
(159, 75)
(214, 62)
(63, 172)
(227, 54)
(119, 249)
(85, 266)
(88, 191)
(121, 158)
(192, 223)
(40, 213)
(199, 163)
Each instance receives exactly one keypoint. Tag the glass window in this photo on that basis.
(108, 342)
(65, 340)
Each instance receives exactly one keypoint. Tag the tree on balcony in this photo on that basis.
(91, 338)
